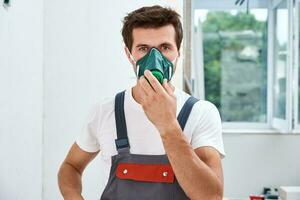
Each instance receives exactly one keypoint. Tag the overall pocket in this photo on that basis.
(144, 181)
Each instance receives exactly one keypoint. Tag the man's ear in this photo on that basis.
(128, 55)
(179, 53)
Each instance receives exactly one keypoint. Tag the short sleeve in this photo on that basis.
(87, 139)
(208, 129)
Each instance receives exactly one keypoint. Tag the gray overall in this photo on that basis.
(139, 176)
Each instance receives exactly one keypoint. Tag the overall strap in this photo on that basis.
(185, 111)
(122, 143)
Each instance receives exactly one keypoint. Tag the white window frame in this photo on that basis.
(272, 125)
(296, 66)
(282, 125)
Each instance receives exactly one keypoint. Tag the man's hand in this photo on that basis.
(158, 102)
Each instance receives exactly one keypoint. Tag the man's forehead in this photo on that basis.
(154, 36)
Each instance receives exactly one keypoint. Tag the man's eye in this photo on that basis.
(143, 49)
(165, 48)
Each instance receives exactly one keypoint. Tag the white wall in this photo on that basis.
(21, 102)
(254, 161)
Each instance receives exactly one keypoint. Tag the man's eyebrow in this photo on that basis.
(142, 45)
(166, 44)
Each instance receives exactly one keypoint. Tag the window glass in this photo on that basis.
(235, 62)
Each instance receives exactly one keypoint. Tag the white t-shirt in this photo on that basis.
(203, 128)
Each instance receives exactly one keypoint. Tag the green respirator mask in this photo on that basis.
(157, 63)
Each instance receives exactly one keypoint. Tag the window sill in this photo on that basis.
(258, 131)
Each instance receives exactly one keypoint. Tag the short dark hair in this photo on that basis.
(151, 17)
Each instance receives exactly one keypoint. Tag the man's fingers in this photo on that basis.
(167, 87)
(172, 86)
(145, 86)
(154, 82)
(143, 94)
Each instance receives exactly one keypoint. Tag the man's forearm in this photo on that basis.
(195, 177)
(69, 181)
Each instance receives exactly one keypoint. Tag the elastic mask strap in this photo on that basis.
(174, 61)
(132, 58)
(137, 66)
(170, 73)
(171, 70)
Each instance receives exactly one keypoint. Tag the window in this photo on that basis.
(243, 62)
(297, 63)
(280, 58)
(282, 64)
(235, 62)
(297, 52)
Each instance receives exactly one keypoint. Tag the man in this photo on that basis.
(151, 108)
